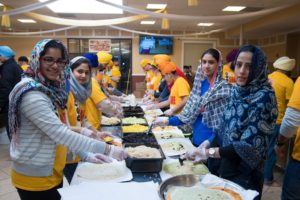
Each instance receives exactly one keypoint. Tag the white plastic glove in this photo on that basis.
(117, 153)
(169, 112)
(87, 132)
(161, 121)
(197, 155)
(205, 144)
(97, 158)
(152, 107)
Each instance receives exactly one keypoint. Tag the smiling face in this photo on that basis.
(209, 65)
(52, 64)
(82, 73)
(242, 68)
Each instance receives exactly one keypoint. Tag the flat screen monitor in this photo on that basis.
(155, 45)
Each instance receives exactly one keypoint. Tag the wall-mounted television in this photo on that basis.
(155, 44)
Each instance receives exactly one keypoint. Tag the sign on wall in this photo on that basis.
(96, 45)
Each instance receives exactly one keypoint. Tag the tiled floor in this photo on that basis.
(8, 192)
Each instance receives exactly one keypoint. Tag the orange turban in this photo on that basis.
(167, 68)
(161, 59)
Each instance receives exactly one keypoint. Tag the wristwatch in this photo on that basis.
(280, 143)
(211, 152)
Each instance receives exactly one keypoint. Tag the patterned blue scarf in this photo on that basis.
(251, 114)
(57, 91)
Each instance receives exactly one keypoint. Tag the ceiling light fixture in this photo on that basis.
(1, 4)
(205, 24)
(27, 20)
(192, 2)
(147, 22)
(86, 7)
(156, 6)
(234, 8)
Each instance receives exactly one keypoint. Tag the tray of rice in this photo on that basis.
(144, 157)
(110, 121)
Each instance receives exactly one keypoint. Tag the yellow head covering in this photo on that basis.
(161, 59)
(145, 62)
(104, 57)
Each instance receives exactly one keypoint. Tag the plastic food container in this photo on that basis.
(145, 164)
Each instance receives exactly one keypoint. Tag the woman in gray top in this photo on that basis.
(39, 126)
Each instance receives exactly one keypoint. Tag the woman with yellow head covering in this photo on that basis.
(146, 66)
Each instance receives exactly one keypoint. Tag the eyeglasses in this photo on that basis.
(50, 61)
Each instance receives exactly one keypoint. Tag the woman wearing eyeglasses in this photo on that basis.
(38, 124)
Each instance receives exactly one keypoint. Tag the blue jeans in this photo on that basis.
(291, 181)
(271, 156)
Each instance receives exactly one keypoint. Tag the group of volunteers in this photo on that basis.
(54, 115)
(237, 112)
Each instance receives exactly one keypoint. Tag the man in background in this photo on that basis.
(23, 62)
(10, 75)
(190, 75)
(283, 87)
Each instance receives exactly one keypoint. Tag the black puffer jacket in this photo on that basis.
(10, 75)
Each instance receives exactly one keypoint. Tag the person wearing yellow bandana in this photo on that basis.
(146, 66)
(179, 93)
(283, 86)
(115, 74)
(288, 129)
(228, 73)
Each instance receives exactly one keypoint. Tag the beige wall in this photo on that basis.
(22, 46)
(274, 47)
(136, 57)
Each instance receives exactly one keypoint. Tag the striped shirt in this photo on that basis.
(40, 132)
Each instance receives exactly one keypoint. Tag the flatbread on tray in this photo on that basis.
(197, 193)
(111, 172)
(188, 167)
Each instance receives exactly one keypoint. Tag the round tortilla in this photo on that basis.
(197, 193)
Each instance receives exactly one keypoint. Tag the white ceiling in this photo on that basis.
(288, 22)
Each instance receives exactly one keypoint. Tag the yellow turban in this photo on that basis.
(145, 62)
(104, 57)
(161, 59)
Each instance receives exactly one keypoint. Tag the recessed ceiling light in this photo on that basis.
(156, 6)
(27, 20)
(234, 8)
(148, 22)
(205, 24)
(87, 6)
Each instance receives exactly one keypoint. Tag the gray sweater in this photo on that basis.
(39, 133)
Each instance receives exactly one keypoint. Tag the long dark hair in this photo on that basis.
(56, 45)
(213, 52)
